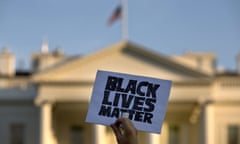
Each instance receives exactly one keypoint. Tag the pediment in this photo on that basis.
(125, 57)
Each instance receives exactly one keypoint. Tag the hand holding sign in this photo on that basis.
(143, 98)
(125, 131)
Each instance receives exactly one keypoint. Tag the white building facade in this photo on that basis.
(49, 104)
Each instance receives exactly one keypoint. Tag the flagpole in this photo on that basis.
(124, 20)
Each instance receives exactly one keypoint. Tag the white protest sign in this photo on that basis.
(144, 99)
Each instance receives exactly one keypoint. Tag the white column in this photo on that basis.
(46, 134)
(99, 132)
(153, 139)
(209, 124)
(164, 136)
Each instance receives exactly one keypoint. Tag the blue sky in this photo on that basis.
(169, 27)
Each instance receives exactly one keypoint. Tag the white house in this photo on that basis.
(48, 104)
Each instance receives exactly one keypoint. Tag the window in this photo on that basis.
(36, 64)
(233, 134)
(17, 133)
(77, 135)
(174, 134)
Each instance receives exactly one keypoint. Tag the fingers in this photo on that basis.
(126, 125)
(116, 130)
(125, 131)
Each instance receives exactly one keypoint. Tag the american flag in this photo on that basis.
(116, 15)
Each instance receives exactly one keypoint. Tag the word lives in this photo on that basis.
(137, 98)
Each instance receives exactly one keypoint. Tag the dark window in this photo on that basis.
(174, 134)
(17, 133)
(77, 135)
(35, 64)
(233, 134)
